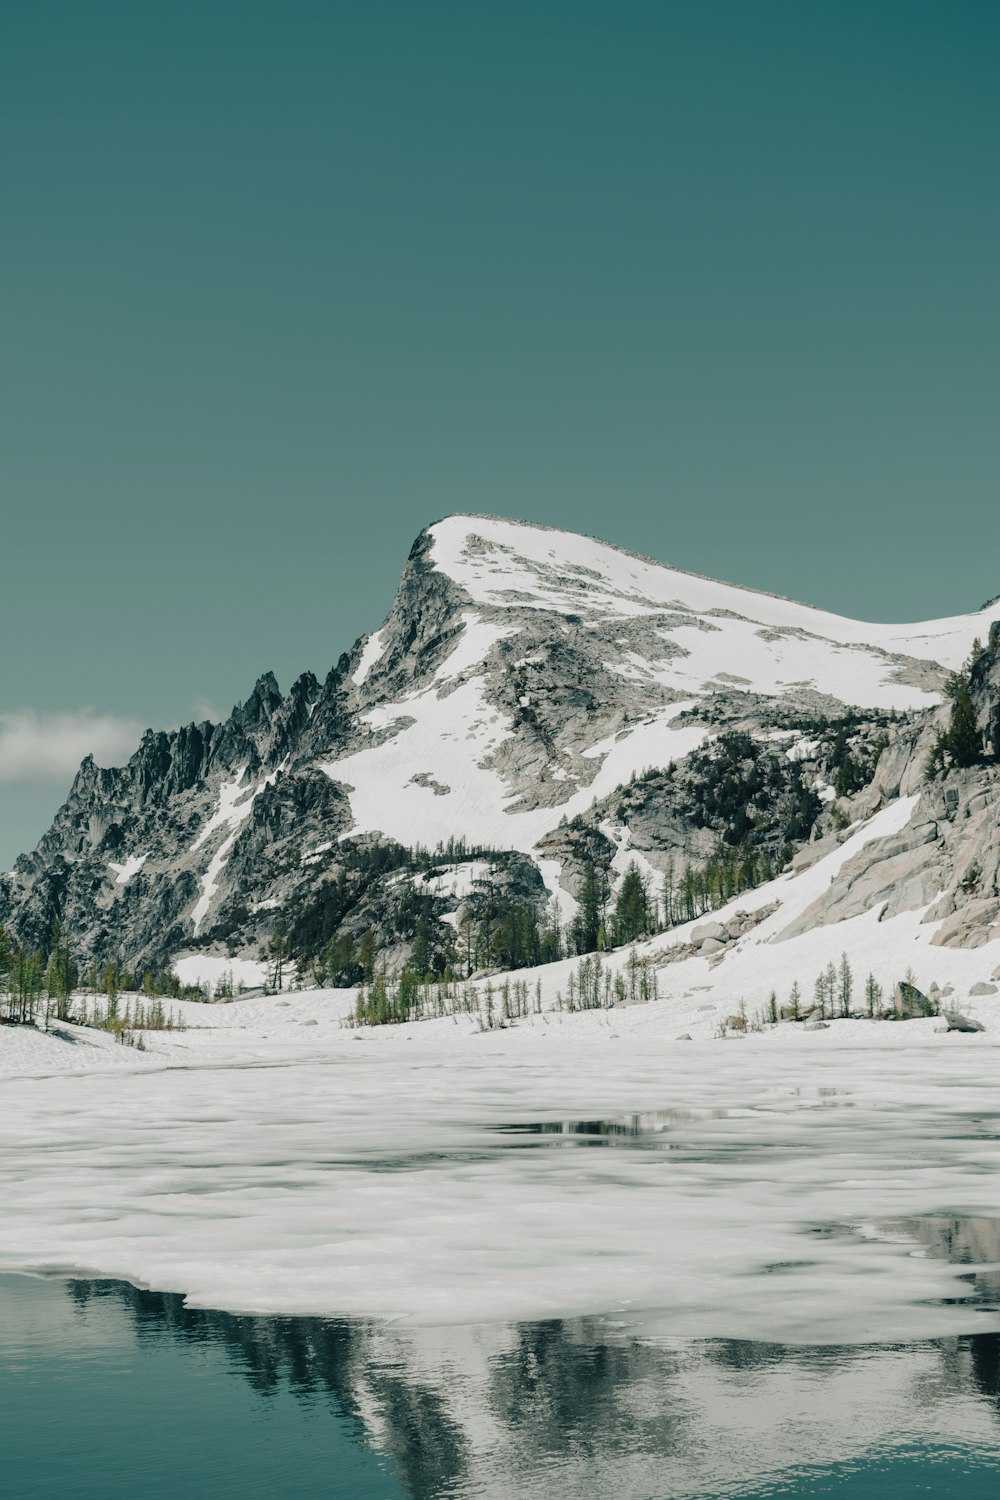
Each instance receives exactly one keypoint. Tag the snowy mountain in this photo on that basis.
(540, 702)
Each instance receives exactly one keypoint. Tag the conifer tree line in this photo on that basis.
(30, 977)
(48, 983)
(687, 891)
(834, 998)
(499, 933)
(852, 770)
(592, 985)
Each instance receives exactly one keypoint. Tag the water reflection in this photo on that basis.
(632, 1130)
(583, 1407)
(971, 1241)
(312, 1357)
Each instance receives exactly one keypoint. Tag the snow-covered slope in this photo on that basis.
(521, 680)
(501, 563)
(640, 636)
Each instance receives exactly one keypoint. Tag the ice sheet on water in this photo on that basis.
(373, 1181)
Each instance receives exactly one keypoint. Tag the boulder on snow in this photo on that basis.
(982, 988)
(743, 921)
(816, 1026)
(711, 945)
(908, 1001)
(962, 1023)
(709, 930)
(736, 1023)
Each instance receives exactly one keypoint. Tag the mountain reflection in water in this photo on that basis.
(580, 1407)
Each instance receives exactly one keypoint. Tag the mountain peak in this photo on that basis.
(523, 680)
(511, 565)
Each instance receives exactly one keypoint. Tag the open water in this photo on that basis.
(111, 1393)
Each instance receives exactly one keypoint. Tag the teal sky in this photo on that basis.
(283, 283)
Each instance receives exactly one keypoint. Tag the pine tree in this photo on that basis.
(830, 985)
(873, 995)
(964, 742)
(589, 923)
(961, 744)
(420, 958)
(367, 953)
(60, 973)
(632, 914)
(111, 985)
(468, 939)
(6, 960)
(848, 776)
(668, 895)
(277, 952)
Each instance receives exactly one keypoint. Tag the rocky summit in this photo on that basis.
(539, 706)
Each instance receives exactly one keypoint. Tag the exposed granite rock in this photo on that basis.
(956, 1022)
(709, 931)
(909, 1002)
(985, 689)
(947, 859)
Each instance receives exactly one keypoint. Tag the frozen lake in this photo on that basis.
(557, 1260)
(761, 1189)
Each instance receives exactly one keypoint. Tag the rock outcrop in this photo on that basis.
(946, 859)
(985, 689)
(956, 1022)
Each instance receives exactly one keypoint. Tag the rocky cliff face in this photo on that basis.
(985, 685)
(541, 694)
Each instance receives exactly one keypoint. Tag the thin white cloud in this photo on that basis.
(204, 708)
(37, 749)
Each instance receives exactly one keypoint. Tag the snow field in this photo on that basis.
(561, 570)
(371, 654)
(209, 968)
(449, 739)
(124, 872)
